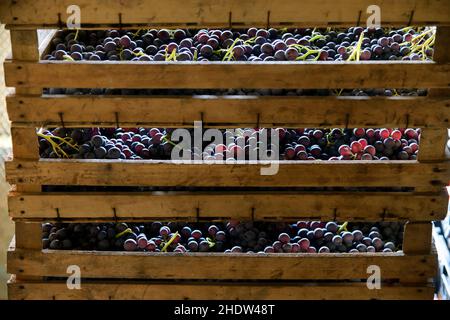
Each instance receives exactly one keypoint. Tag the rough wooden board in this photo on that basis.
(314, 75)
(174, 173)
(222, 13)
(324, 206)
(417, 238)
(28, 235)
(25, 46)
(101, 264)
(432, 144)
(211, 291)
(229, 111)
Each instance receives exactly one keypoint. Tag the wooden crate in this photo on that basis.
(40, 273)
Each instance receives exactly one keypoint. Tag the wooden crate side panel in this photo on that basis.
(417, 238)
(28, 235)
(356, 206)
(433, 141)
(222, 111)
(223, 13)
(25, 46)
(98, 264)
(222, 75)
(208, 291)
(173, 173)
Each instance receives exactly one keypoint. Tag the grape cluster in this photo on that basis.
(229, 237)
(293, 144)
(355, 43)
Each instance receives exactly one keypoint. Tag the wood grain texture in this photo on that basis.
(189, 206)
(214, 75)
(417, 238)
(198, 173)
(229, 111)
(222, 13)
(433, 141)
(211, 291)
(432, 144)
(25, 46)
(28, 235)
(215, 266)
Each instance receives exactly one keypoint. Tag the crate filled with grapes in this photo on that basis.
(223, 138)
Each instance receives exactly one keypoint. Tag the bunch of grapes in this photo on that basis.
(242, 144)
(229, 237)
(302, 44)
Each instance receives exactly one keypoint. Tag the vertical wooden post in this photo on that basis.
(417, 236)
(25, 46)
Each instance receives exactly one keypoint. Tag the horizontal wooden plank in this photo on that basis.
(188, 206)
(222, 13)
(188, 75)
(213, 291)
(229, 111)
(216, 266)
(215, 173)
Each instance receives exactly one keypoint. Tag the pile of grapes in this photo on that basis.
(352, 44)
(238, 92)
(294, 144)
(230, 237)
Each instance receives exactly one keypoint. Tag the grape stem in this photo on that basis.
(164, 249)
(124, 232)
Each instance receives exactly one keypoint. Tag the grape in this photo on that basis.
(389, 245)
(197, 234)
(284, 238)
(130, 245)
(236, 249)
(303, 232)
(55, 244)
(332, 227)
(324, 250)
(312, 250)
(337, 240)
(304, 244)
(193, 245)
(212, 230)
(204, 246)
(220, 236)
(269, 249)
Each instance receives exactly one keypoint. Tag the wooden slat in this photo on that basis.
(432, 145)
(24, 44)
(28, 235)
(309, 75)
(417, 238)
(212, 291)
(325, 206)
(236, 111)
(198, 173)
(441, 53)
(222, 13)
(25, 144)
(216, 266)
(25, 47)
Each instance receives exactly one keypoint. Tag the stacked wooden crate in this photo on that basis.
(40, 274)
